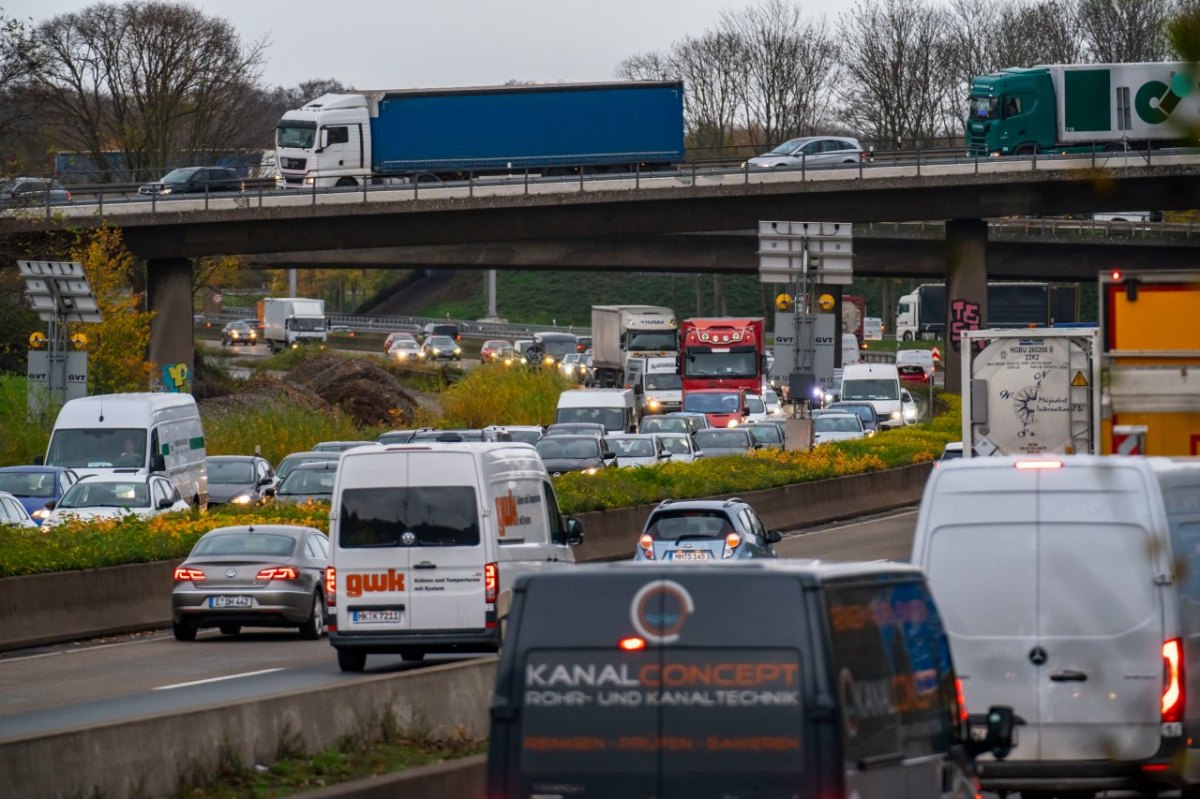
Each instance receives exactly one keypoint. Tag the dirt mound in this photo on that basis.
(261, 389)
(364, 390)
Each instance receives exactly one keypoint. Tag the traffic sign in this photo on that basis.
(937, 355)
(1129, 439)
(37, 339)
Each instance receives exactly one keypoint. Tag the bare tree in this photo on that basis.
(1184, 31)
(151, 79)
(897, 63)
(708, 66)
(1049, 29)
(787, 68)
(1125, 30)
(647, 66)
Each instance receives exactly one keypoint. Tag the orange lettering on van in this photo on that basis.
(506, 512)
(358, 584)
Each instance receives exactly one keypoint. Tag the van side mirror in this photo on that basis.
(574, 531)
(998, 734)
(745, 411)
(51, 505)
(165, 503)
(38, 460)
(158, 463)
(269, 491)
(774, 536)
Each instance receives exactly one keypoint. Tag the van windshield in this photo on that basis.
(427, 516)
(611, 418)
(870, 389)
(98, 449)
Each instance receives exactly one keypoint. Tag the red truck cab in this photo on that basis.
(721, 352)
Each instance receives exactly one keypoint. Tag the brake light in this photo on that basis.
(632, 644)
(647, 545)
(732, 541)
(330, 585)
(184, 575)
(491, 582)
(1038, 464)
(278, 573)
(1173, 691)
(961, 699)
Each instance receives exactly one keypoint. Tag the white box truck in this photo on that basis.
(291, 321)
(619, 331)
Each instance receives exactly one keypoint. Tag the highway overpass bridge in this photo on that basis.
(608, 208)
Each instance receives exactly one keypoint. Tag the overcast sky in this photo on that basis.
(396, 44)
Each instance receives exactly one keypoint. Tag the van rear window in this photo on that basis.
(598, 715)
(436, 516)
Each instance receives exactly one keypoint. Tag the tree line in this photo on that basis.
(892, 72)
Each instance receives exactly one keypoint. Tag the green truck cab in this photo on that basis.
(1011, 113)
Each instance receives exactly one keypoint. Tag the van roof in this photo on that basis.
(811, 572)
(120, 409)
(596, 397)
(869, 370)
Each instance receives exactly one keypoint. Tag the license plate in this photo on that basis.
(689, 554)
(230, 602)
(374, 616)
(979, 733)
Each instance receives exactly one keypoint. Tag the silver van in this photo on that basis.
(1070, 588)
(756, 680)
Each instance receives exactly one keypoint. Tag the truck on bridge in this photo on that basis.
(922, 314)
(1082, 108)
(455, 133)
(620, 332)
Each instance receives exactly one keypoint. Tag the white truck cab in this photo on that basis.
(656, 383)
(325, 143)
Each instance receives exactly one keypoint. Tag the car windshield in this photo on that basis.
(396, 437)
(309, 482)
(442, 342)
(717, 402)
(265, 544)
(663, 382)
(240, 472)
(766, 433)
(633, 447)
(770, 398)
(179, 175)
(836, 424)
(755, 404)
(787, 147)
(721, 438)
(721, 364)
(648, 340)
(861, 411)
(984, 107)
(661, 425)
(292, 461)
(611, 418)
(28, 484)
(405, 344)
(94, 494)
(98, 448)
(673, 525)
(568, 448)
(870, 389)
(558, 345)
(676, 445)
(526, 436)
(426, 516)
(293, 135)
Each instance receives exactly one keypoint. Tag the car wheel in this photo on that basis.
(230, 629)
(412, 655)
(184, 631)
(351, 660)
(314, 628)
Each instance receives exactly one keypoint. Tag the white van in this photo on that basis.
(427, 541)
(879, 384)
(145, 433)
(1070, 589)
(615, 408)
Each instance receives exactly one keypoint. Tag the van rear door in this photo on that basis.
(1100, 615)
(441, 508)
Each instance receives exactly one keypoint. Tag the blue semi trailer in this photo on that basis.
(451, 134)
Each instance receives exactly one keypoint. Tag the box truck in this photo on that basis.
(623, 331)
(291, 321)
(1082, 107)
(454, 133)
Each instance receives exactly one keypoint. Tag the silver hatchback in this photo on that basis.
(257, 576)
(811, 151)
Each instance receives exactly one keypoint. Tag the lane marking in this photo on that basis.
(835, 527)
(216, 679)
(17, 657)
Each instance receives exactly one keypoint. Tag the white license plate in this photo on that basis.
(688, 554)
(230, 602)
(374, 616)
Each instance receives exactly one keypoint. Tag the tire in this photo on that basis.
(314, 628)
(908, 336)
(184, 631)
(412, 655)
(346, 182)
(351, 660)
(230, 629)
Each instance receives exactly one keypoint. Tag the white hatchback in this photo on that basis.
(811, 151)
(114, 496)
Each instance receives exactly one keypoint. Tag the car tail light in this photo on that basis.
(491, 582)
(961, 699)
(278, 573)
(1173, 698)
(732, 542)
(330, 585)
(184, 575)
(647, 545)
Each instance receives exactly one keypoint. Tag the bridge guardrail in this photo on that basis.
(415, 324)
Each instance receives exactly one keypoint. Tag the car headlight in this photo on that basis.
(895, 414)
(654, 405)
(591, 470)
(436, 350)
(242, 499)
(548, 360)
(732, 423)
(457, 351)
(165, 190)
(40, 514)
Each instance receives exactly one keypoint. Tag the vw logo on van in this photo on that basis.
(659, 610)
(408, 538)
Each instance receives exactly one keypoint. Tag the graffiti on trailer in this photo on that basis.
(964, 315)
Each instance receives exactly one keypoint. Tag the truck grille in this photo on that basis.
(293, 163)
(976, 144)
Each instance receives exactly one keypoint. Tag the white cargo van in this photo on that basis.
(615, 408)
(144, 433)
(879, 384)
(427, 541)
(1070, 589)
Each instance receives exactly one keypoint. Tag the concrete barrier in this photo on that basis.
(465, 778)
(69, 606)
(150, 756)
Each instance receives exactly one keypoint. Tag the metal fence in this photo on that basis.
(416, 324)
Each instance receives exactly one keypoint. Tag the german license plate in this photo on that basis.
(689, 554)
(374, 616)
(230, 602)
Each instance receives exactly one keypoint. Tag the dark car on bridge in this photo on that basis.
(192, 180)
(26, 192)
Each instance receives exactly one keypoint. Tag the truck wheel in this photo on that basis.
(346, 182)
(908, 336)
(351, 660)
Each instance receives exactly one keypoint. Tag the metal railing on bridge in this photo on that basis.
(415, 324)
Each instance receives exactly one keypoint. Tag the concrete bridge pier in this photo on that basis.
(172, 350)
(966, 290)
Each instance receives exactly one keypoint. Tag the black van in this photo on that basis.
(739, 681)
